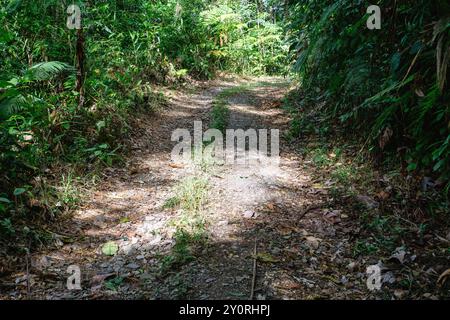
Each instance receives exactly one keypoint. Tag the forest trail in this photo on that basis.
(301, 252)
(91, 95)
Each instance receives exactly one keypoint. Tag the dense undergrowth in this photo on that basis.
(388, 87)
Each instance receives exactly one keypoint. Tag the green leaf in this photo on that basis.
(412, 166)
(113, 284)
(110, 248)
(5, 36)
(395, 61)
(46, 70)
(100, 125)
(5, 200)
(439, 165)
(19, 191)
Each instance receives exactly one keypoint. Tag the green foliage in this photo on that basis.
(191, 193)
(388, 85)
(244, 39)
(219, 115)
(47, 121)
(191, 196)
(114, 283)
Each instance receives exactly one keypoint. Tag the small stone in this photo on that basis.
(133, 266)
(351, 266)
(249, 214)
(388, 277)
(127, 248)
(209, 280)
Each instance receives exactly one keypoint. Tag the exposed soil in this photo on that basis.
(304, 244)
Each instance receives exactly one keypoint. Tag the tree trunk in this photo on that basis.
(80, 66)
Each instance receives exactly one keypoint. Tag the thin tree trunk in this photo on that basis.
(80, 66)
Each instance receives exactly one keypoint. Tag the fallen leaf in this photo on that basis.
(288, 284)
(399, 255)
(332, 216)
(99, 278)
(383, 195)
(385, 137)
(313, 242)
(443, 277)
(265, 257)
(399, 294)
(110, 248)
(367, 201)
(285, 230)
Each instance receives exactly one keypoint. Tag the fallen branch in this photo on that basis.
(254, 273)
(27, 258)
(308, 209)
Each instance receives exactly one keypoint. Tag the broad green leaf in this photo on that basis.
(19, 191)
(5, 200)
(110, 248)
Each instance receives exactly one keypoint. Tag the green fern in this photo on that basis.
(46, 70)
(14, 96)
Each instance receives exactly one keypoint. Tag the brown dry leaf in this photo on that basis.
(288, 284)
(99, 278)
(286, 229)
(383, 195)
(385, 137)
(176, 165)
(35, 203)
(443, 277)
(332, 216)
(313, 242)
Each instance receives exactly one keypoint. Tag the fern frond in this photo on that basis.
(46, 70)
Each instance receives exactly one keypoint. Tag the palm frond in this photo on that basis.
(46, 70)
(11, 105)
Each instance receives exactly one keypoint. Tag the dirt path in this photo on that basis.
(301, 252)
